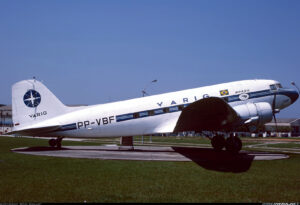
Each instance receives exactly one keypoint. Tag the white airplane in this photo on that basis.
(226, 108)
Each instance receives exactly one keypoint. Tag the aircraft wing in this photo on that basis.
(35, 131)
(208, 114)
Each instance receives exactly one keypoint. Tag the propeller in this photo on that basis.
(274, 111)
(294, 84)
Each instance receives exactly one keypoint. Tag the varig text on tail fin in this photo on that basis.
(33, 102)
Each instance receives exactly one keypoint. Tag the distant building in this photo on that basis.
(290, 126)
(6, 123)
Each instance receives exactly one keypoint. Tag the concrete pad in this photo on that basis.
(149, 153)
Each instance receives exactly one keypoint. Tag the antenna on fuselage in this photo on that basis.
(144, 91)
(294, 84)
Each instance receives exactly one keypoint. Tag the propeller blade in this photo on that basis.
(274, 111)
(275, 120)
(274, 103)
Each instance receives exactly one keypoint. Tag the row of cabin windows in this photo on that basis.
(180, 107)
(148, 113)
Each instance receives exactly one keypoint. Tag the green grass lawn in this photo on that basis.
(173, 140)
(285, 145)
(26, 178)
(167, 140)
(194, 140)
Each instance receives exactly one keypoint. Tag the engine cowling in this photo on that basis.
(255, 113)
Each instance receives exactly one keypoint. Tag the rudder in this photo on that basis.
(33, 102)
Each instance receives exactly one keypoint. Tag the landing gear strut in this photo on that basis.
(232, 144)
(55, 142)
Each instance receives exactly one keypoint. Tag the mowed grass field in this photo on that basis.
(26, 178)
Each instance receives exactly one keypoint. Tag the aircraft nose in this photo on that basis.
(294, 96)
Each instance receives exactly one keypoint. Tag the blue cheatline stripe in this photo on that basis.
(258, 94)
(159, 111)
(177, 108)
(68, 127)
(124, 117)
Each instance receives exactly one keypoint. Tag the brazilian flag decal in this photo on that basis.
(224, 92)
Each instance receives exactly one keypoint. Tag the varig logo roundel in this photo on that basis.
(32, 98)
(244, 96)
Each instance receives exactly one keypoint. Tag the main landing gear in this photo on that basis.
(232, 144)
(55, 142)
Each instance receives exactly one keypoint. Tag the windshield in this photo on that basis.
(275, 86)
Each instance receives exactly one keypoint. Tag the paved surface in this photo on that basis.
(151, 153)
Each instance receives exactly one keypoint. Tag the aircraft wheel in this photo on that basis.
(218, 142)
(233, 144)
(52, 142)
(58, 144)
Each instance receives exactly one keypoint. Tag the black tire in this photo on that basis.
(58, 144)
(52, 142)
(218, 142)
(233, 144)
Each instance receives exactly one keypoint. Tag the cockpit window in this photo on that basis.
(273, 87)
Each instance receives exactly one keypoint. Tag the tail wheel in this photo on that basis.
(52, 142)
(58, 142)
(233, 144)
(55, 142)
(218, 142)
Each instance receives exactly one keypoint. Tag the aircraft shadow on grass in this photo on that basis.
(218, 161)
(205, 157)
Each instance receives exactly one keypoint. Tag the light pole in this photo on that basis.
(1, 122)
(145, 93)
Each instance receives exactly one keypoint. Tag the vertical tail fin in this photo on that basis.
(32, 102)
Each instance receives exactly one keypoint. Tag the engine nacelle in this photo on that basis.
(255, 113)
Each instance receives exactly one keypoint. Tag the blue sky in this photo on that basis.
(90, 52)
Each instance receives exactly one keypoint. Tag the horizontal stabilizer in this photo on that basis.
(35, 131)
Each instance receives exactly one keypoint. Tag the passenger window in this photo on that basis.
(124, 117)
(173, 109)
(185, 105)
(158, 111)
(143, 114)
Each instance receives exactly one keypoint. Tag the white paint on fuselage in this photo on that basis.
(102, 118)
(151, 124)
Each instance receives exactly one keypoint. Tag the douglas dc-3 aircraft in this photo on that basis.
(219, 108)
